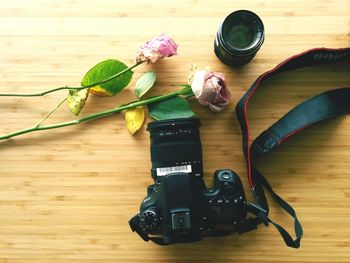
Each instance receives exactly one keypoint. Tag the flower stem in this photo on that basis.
(98, 115)
(52, 111)
(70, 88)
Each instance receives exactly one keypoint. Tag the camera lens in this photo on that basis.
(175, 147)
(239, 38)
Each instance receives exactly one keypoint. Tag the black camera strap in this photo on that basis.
(324, 106)
(321, 107)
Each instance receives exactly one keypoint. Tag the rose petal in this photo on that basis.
(157, 48)
(198, 82)
(215, 108)
(210, 89)
(202, 102)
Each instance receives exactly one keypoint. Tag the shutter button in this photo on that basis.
(226, 176)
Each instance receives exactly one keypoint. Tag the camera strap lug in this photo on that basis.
(260, 212)
(252, 222)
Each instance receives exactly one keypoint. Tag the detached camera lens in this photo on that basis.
(239, 38)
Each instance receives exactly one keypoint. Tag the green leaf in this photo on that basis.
(104, 70)
(144, 83)
(170, 109)
(76, 100)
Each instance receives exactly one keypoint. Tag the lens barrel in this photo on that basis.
(175, 147)
(239, 38)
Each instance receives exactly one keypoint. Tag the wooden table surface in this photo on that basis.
(66, 195)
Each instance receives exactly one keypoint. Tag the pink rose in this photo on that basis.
(210, 89)
(157, 48)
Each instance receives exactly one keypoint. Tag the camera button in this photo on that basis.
(226, 176)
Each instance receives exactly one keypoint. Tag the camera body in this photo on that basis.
(179, 207)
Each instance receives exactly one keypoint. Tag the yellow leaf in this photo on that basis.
(76, 100)
(99, 91)
(134, 119)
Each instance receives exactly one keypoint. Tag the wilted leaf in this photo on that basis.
(99, 91)
(76, 100)
(134, 119)
(170, 109)
(102, 71)
(144, 83)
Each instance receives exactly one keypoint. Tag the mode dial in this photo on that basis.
(149, 220)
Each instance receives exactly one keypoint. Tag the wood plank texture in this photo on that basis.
(66, 195)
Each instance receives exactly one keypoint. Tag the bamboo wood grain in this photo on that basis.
(66, 195)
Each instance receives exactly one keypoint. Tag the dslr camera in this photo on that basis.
(179, 207)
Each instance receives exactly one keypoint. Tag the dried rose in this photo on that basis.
(210, 89)
(157, 48)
